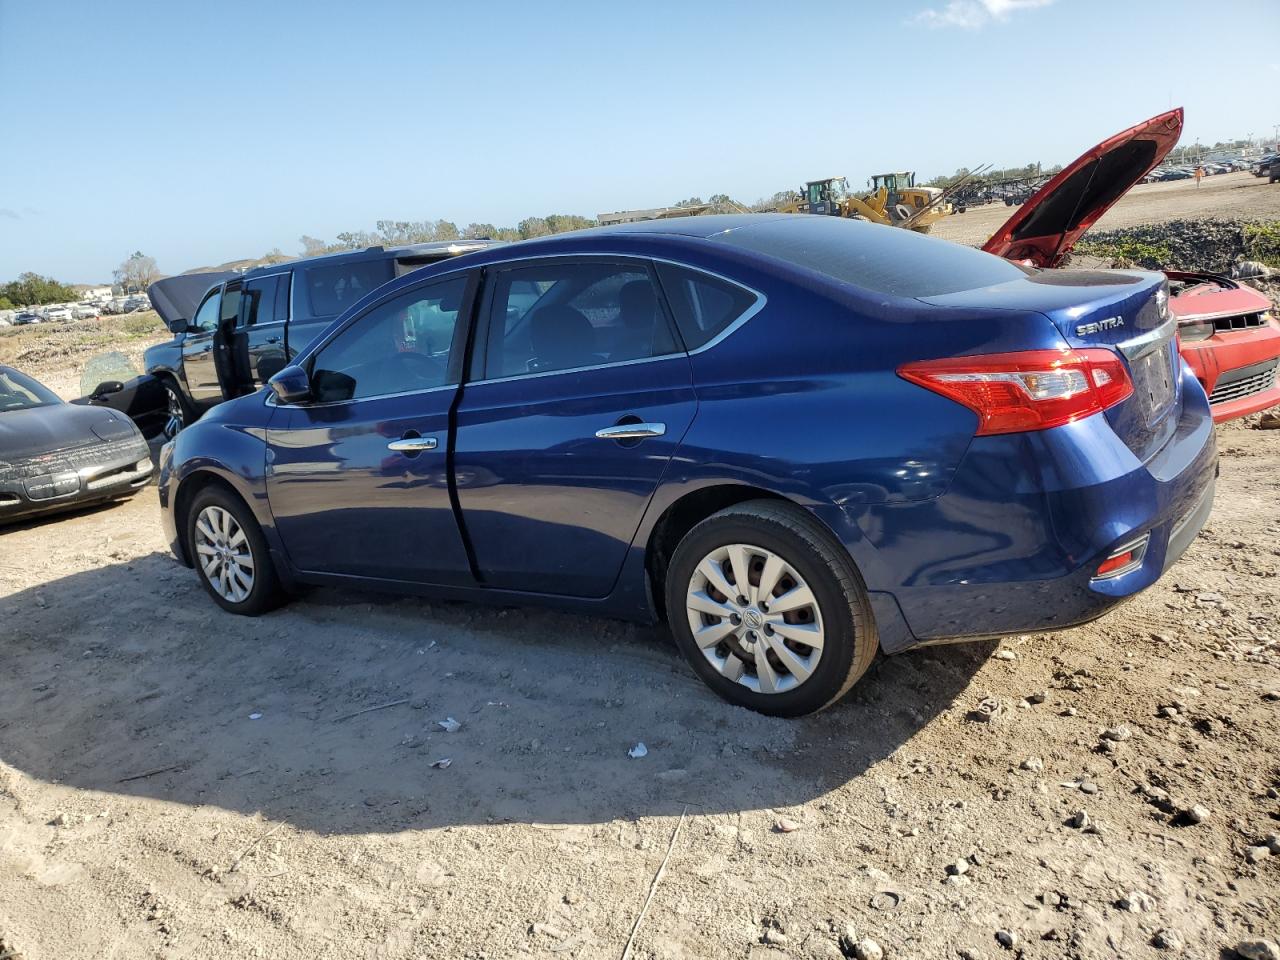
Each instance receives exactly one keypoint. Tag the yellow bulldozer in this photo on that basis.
(893, 200)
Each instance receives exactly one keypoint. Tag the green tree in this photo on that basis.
(564, 222)
(31, 289)
(533, 227)
(6, 304)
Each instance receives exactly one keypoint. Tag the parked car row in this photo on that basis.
(1185, 171)
(53, 313)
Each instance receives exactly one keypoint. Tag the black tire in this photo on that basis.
(266, 592)
(850, 642)
(176, 409)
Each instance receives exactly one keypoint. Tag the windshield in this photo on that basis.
(20, 392)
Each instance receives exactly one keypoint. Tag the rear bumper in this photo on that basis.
(1239, 369)
(1015, 543)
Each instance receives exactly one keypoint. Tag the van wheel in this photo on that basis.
(230, 554)
(768, 609)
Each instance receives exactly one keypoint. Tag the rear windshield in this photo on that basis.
(889, 260)
(329, 289)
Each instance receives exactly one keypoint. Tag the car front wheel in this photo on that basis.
(769, 610)
(230, 554)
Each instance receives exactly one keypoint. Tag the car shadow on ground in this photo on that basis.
(328, 713)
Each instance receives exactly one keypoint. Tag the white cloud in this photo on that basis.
(974, 14)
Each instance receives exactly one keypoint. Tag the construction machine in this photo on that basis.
(894, 200)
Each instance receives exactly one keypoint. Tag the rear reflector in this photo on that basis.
(1029, 390)
(1113, 564)
(1123, 559)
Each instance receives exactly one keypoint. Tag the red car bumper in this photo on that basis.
(1238, 364)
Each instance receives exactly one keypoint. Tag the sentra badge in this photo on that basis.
(1099, 325)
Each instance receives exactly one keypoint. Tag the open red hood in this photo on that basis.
(1045, 227)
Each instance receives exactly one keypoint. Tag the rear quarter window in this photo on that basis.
(329, 289)
(704, 306)
(880, 259)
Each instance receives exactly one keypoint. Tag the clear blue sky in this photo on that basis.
(203, 133)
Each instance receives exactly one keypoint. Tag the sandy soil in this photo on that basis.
(179, 783)
(1226, 195)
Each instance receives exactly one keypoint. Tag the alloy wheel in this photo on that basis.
(176, 415)
(755, 618)
(224, 554)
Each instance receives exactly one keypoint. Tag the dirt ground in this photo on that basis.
(1225, 195)
(179, 783)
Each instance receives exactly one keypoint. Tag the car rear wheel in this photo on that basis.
(230, 554)
(769, 610)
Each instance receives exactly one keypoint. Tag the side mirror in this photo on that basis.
(105, 388)
(291, 385)
(179, 325)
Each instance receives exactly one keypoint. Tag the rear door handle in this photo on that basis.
(632, 431)
(412, 444)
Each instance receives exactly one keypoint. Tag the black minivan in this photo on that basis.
(232, 331)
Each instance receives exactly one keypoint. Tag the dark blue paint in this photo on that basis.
(955, 536)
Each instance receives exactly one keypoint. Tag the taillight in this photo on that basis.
(1029, 390)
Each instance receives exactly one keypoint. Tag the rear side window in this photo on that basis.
(563, 315)
(266, 300)
(704, 306)
(329, 289)
(880, 259)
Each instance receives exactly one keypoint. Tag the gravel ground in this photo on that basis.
(179, 783)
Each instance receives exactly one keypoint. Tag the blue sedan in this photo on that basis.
(797, 440)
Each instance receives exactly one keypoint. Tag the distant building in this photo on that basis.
(655, 213)
(95, 293)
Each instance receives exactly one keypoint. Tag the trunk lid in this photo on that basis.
(1057, 215)
(1126, 311)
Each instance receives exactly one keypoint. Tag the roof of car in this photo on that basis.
(702, 227)
(444, 248)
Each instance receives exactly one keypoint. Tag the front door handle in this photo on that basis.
(632, 431)
(412, 444)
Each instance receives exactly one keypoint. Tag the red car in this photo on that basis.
(1227, 332)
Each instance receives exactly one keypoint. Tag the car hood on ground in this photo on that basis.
(40, 430)
(178, 297)
(1054, 218)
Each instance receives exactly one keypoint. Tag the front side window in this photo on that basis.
(207, 316)
(399, 346)
(561, 316)
(704, 306)
(230, 311)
